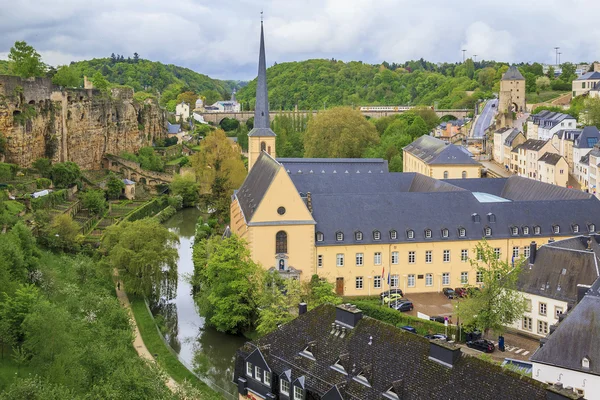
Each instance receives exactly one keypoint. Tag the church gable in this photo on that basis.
(282, 203)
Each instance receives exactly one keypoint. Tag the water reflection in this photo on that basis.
(209, 353)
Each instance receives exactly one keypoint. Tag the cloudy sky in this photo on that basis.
(220, 37)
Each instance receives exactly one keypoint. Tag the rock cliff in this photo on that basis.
(80, 125)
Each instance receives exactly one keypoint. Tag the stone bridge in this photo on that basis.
(243, 116)
(133, 171)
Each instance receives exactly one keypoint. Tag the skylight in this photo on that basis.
(489, 198)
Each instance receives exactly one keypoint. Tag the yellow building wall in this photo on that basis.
(437, 267)
(414, 164)
(254, 145)
(455, 171)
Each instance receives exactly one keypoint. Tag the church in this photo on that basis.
(366, 229)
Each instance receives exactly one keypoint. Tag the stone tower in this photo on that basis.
(512, 96)
(261, 137)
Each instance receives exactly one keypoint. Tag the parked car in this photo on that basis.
(472, 336)
(482, 345)
(461, 292)
(449, 293)
(409, 329)
(402, 305)
(437, 318)
(390, 295)
(438, 336)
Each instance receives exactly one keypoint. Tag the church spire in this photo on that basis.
(261, 110)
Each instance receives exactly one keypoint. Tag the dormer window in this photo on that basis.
(462, 232)
(476, 218)
(391, 394)
(358, 236)
(514, 231)
(284, 387)
(339, 367)
(362, 379)
(445, 233)
(393, 235)
(427, 233)
(410, 234)
(376, 235)
(319, 236)
(339, 236)
(258, 373)
(525, 230)
(537, 230)
(487, 231)
(267, 378)
(491, 217)
(249, 369)
(592, 228)
(298, 393)
(575, 228)
(307, 353)
(556, 228)
(585, 363)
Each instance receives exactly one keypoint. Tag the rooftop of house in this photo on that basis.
(173, 128)
(550, 158)
(296, 166)
(374, 358)
(512, 74)
(548, 119)
(532, 144)
(511, 137)
(589, 76)
(575, 344)
(588, 138)
(560, 266)
(435, 151)
(568, 134)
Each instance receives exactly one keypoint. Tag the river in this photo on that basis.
(208, 353)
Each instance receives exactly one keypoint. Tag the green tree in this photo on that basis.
(144, 253)
(186, 187)
(227, 283)
(321, 292)
(568, 72)
(470, 68)
(188, 97)
(62, 233)
(543, 83)
(418, 128)
(498, 303)
(25, 61)
(94, 201)
(230, 124)
(278, 302)
(339, 133)
(66, 77)
(99, 81)
(114, 186)
(43, 167)
(550, 73)
(14, 310)
(591, 110)
(210, 96)
(65, 174)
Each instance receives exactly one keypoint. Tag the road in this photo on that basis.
(485, 118)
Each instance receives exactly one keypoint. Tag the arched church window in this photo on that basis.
(281, 242)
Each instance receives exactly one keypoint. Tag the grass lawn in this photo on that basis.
(167, 360)
(535, 98)
(175, 161)
(9, 370)
(14, 207)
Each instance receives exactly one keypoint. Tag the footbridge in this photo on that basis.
(133, 171)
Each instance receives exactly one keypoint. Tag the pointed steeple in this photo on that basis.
(262, 123)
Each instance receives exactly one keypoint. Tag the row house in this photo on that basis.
(544, 125)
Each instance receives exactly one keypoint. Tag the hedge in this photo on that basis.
(165, 214)
(7, 172)
(400, 319)
(149, 209)
(50, 200)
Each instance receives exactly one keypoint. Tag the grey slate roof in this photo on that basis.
(533, 144)
(435, 151)
(173, 128)
(550, 158)
(511, 137)
(549, 119)
(588, 138)
(588, 76)
(262, 123)
(334, 165)
(518, 188)
(512, 74)
(568, 134)
(255, 185)
(576, 337)
(386, 356)
(558, 268)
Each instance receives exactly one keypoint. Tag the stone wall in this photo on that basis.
(79, 125)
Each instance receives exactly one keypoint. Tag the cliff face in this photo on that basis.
(79, 125)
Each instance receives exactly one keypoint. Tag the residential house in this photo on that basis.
(549, 280)
(585, 83)
(553, 169)
(593, 170)
(528, 153)
(182, 111)
(563, 141)
(225, 105)
(571, 353)
(514, 139)
(173, 129)
(337, 353)
(500, 136)
(544, 125)
(438, 159)
(595, 91)
(582, 145)
(451, 130)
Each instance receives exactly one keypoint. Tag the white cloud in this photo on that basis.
(220, 38)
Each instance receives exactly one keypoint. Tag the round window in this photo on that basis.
(281, 210)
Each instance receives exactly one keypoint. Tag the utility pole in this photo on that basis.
(556, 50)
(464, 55)
(559, 53)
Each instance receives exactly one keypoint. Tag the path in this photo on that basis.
(138, 343)
(484, 120)
(495, 170)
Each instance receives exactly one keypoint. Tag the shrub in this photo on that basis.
(7, 171)
(165, 214)
(43, 183)
(94, 201)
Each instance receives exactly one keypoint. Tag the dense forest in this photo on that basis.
(318, 84)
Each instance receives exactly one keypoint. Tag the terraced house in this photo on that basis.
(356, 224)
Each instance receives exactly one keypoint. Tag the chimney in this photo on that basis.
(532, 252)
(553, 328)
(558, 392)
(302, 308)
(444, 353)
(309, 202)
(581, 291)
(347, 315)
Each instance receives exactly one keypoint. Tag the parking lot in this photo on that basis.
(431, 304)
